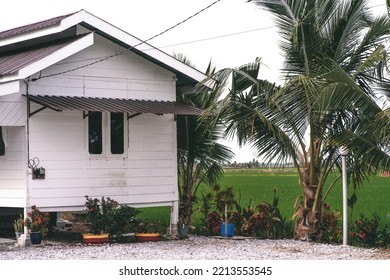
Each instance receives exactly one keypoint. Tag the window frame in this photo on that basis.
(3, 140)
(106, 137)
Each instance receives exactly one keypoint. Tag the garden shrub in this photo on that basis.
(364, 231)
(105, 215)
(330, 228)
(264, 220)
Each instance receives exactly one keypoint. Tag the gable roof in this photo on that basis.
(58, 27)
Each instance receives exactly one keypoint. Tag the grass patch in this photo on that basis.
(258, 185)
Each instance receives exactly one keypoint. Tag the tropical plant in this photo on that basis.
(335, 60)
(199, 153)
(330, 228)
(214, 221)
(37, 221)
(18, 224)
(106, 215)
(364, 231)
(266, 221)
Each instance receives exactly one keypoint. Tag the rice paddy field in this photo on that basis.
(257, 185)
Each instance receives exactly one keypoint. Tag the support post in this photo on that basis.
(344, 153)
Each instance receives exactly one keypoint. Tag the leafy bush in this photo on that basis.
(330, 229)
(37, 221)
(384, 236)
(213, 221)
(364, 231)
(267, 221)
(107, 216)
(264, 220)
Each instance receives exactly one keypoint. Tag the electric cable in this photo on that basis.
(128, 49)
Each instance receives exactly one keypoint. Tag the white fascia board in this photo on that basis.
(152, 51)
(64, 24)
(9, 88)
(53, 58)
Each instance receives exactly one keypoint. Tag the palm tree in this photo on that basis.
(334, 64)
(200, 155)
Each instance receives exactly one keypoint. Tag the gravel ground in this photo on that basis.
(193, 248)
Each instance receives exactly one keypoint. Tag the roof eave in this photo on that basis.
(50, 59)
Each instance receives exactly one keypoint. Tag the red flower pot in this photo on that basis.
(147, 237)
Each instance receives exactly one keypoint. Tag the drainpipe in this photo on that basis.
(26, 238)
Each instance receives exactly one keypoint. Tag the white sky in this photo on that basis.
(145, 18)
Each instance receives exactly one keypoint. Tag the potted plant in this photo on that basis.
(183, 225)
(97, 217)
(37, 224)
(148, 231)
(224, 202)
(108, 220)
(18, 225)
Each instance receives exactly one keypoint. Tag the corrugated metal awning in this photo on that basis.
(132, 106)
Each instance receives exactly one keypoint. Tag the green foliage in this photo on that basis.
(107, 216)
(18, 224)
(364, 231)
(148, 226)
(330, 229)
(213, 222)
(335, 66)
(265, 220)
(37, 221)
(384, 234)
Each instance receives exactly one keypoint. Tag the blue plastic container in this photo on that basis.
(227, 231)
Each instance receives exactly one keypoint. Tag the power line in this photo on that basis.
(215, 37)
(184, 43)
(130, 48)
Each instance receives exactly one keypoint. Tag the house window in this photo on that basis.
(117, 133)
(95, 133)
(2, 145)
(99, 135)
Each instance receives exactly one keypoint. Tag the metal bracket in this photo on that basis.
(133, 115)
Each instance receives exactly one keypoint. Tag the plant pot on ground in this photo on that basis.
(148, 231)
(183, 230)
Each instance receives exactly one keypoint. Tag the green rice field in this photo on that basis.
(258, 185)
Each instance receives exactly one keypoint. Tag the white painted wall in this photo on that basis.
(124, 76)
(13, 168)
(146, 175)
(12, 110)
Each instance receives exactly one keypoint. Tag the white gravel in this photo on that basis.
(193, 248)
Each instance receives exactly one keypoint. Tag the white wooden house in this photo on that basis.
(88, 109)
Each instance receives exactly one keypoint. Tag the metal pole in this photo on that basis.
(344, 153)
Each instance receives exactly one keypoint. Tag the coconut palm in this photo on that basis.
(200, 155)
(335, 57)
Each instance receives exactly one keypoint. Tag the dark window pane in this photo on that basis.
(95, 132)
(2, 145)
(117, 133)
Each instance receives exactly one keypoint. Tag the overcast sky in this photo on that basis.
(230, 33)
